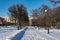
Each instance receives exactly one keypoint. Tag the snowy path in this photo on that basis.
(38, 35)
(31, 35)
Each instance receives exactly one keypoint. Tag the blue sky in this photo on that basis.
(29, 4)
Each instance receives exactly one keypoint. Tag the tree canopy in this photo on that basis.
(20, 14)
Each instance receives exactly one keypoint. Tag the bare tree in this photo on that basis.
(55, 2)
(35, 13)
(19, 13)
(44, 14)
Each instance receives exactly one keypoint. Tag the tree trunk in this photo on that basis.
(19, 25)
(46, 25)
(15, 22)
(57, 25)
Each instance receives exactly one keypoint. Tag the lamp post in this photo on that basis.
(45, 10)
(46, 15)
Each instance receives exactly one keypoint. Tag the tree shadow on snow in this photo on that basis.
(19, 35)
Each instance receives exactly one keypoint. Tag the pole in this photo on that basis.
(48, 30)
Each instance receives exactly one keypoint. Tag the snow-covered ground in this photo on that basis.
(29, 33)
(10, 32)
(39, 34)
(5, 31)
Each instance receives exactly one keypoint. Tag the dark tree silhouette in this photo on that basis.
(19, 13)
(56, 16)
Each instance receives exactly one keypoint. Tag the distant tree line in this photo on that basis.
(47, 16)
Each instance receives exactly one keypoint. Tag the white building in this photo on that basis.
(12, 20)
(8, 19)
